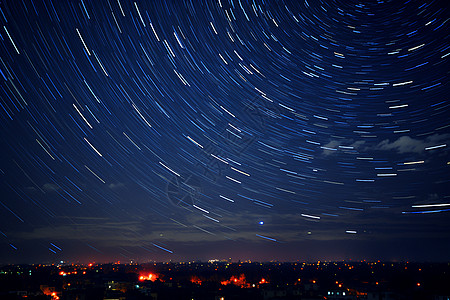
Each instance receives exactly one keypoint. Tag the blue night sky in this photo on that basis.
(264, 130)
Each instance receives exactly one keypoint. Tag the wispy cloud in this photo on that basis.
(406, 144)
(50, 187)
(116, 186)
(243, 227)
(334, 146)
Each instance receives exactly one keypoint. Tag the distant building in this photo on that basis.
(441, 297)
(382, 296)
(340, 295)
(273, 294)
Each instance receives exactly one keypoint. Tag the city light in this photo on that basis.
(148, 277)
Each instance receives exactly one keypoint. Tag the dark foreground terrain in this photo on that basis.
(225, 280)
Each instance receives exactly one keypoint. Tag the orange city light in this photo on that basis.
(150, 276)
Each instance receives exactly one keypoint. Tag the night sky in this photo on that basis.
(191, 130)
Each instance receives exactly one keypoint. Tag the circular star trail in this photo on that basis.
(150, 124)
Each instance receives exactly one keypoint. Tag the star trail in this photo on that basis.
(285, 130)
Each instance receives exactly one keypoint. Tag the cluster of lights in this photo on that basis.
(62, 273)
(149, 277)
(196, 280)
(241, 281)
(51, 293)
(337, 293)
